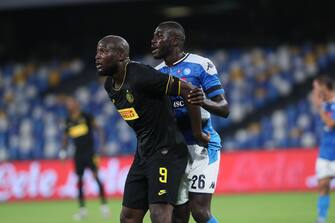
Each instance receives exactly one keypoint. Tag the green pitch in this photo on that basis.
(255, 208)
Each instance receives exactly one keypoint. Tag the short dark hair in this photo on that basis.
(325, 81)
(176, 28)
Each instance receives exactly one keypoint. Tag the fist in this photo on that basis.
(196, 96)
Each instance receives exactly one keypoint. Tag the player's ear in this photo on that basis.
(174, 41)
(122, 56)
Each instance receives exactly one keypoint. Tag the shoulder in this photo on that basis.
(135, 67)
(160, 66)
(206, 64)
(86, 114)
(108, 83)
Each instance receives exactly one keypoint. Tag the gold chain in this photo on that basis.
(124, 77)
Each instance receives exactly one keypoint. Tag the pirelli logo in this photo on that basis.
(128, 114)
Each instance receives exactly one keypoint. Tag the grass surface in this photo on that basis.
(255, 208)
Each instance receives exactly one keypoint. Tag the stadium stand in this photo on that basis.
(31, 115)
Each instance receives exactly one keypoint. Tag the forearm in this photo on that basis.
(195, 119)
(217, 108)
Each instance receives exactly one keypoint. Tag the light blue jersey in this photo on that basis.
(201, 72)
(327, 145)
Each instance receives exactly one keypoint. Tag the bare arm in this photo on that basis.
(217, 105)
(183, 89)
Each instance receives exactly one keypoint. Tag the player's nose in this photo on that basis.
(97, 57)
(153, 42)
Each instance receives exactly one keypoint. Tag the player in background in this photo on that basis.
(140, 94)
(79, 128)
(203, 165)
(323, 98)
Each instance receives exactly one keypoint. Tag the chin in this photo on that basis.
(157, 56)
(102, 74)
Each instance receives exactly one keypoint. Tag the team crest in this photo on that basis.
(129, 97)
(187, 71)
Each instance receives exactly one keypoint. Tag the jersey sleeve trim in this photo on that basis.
(215, 93)
(214, 88)
(167, 85)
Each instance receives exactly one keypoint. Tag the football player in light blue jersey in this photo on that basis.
(196, 190)
(324, 101)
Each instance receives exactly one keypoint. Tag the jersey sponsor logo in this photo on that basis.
(178, 104)
(161, 192)
(129, 97)
(78, 130)
(128, 114)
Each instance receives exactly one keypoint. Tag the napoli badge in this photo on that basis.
(187, 71)
(129, 97)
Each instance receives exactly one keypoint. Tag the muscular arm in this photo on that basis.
(217, 105)
(181, 88)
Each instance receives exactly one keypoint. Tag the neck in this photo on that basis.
(121, 72)
(174, 56)
(75, 114)
(120, 75)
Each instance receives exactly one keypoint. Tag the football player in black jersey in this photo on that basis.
(79, 127)
(140, 95)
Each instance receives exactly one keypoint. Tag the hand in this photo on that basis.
(204, 139)
(196, 96)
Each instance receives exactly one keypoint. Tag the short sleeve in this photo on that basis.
(153, 81)
(209, 79)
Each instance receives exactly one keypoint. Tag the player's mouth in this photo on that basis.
(154, 50)
(98, 66)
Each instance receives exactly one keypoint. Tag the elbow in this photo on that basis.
(225, 115)
(225, 112)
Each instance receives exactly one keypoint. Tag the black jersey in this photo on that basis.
(80, 130)
(143, 104)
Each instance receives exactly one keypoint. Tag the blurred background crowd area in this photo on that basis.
(265, 55)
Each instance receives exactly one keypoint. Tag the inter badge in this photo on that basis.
(129, 97)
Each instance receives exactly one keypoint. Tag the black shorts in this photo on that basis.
(156, 181)
(85, 162)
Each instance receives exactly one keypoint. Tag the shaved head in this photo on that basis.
(112, 53)
(174, 28)
(117, 43)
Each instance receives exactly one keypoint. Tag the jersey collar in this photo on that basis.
(181, 59)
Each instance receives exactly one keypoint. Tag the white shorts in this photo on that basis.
(324, 168)
(200, 175)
